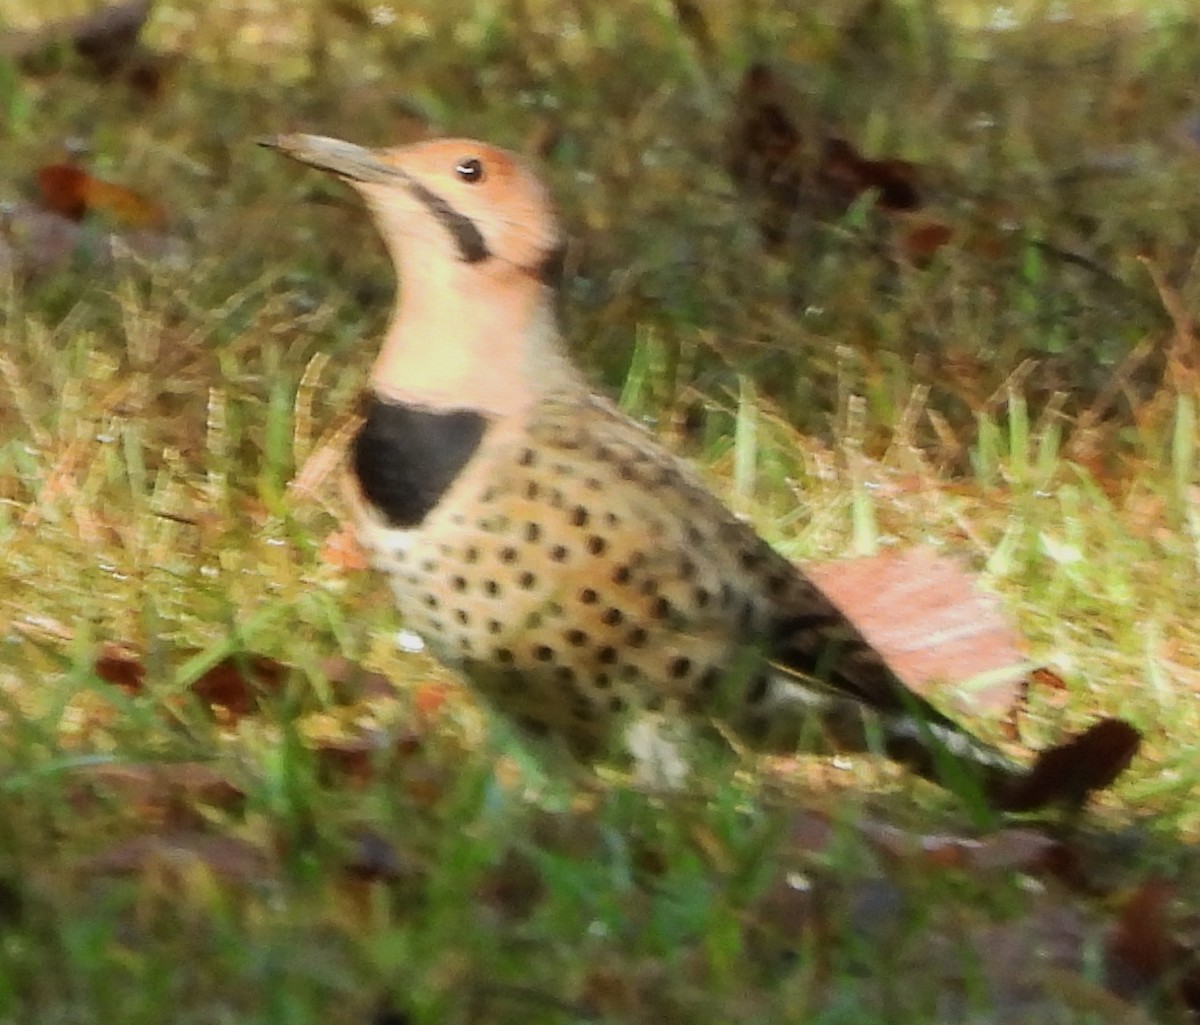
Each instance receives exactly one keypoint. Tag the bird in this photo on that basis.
(553, 551)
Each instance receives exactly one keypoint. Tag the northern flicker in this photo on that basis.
(549, 548)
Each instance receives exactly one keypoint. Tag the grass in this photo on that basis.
(1031, 415)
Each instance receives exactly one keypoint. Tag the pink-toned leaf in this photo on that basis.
(936, 628)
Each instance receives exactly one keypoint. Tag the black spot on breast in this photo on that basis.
(679, 667)
(406, 457)
(533, 725)
(777, 584)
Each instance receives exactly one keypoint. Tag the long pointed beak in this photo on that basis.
(342, 158)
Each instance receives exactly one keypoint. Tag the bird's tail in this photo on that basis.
(806, 714)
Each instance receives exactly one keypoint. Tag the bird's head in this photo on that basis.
(476, 243)
(451, 201)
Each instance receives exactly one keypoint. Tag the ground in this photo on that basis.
(333, 831)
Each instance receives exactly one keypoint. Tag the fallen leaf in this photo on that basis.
(236, 683)
(429, 699)
(919, 242)
(1028, 851)
(349, 760)
(106, 39)
(797, 174)
(341, 550)
(1139, 948)
(935, 627)
(103, 36)
(163, 791)
(176, 853)
(121, 669)
(352, 682)
(72, 192)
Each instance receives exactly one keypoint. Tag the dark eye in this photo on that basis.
(470, 170)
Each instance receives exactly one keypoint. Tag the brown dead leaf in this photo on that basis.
(104, 36)
(350, 760)
(342, 551)
(937, 630)
(236, 683)
(794, 173)
(177, 853)
(430, 697)
(158, 791)
(426, 785)
(920, 241)
(70, 191)
(1069, 772)
(1139, 948)
(352, 682)
(355, 760)
(117, 666)
(106, 39)
(1028, 851)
